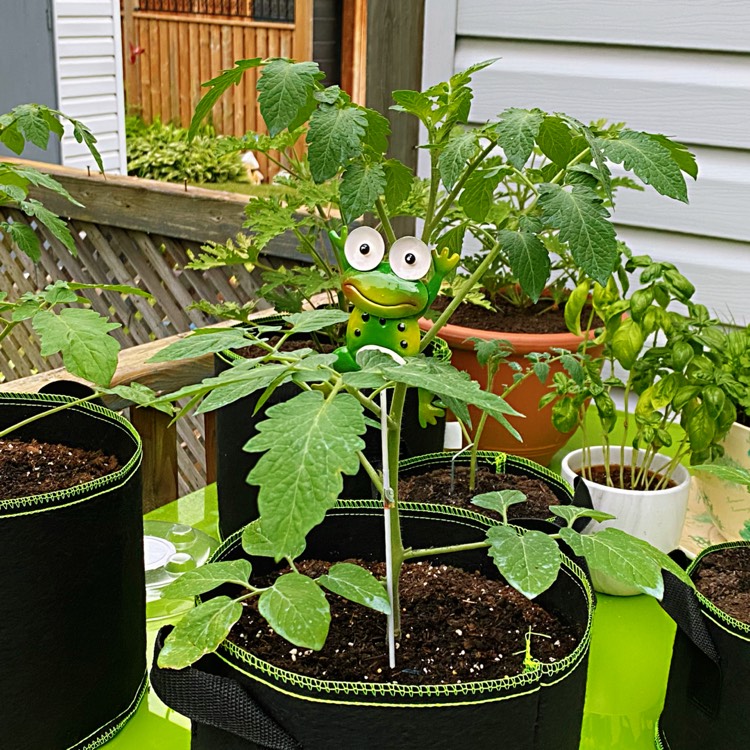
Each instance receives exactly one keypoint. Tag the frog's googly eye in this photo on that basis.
(410, 258)
(364, 249)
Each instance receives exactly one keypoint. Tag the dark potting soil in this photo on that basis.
(598, 474)
(290, 345)
(723, 577)
(33, 468)
(435, 487)
(457, 626)
(542, 317)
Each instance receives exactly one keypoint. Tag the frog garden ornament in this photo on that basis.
(388, 295)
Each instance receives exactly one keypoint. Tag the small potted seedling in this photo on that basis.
(312, 568)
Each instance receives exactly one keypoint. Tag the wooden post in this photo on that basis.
(303, 30)
(209, 444)
(129, 36)
(394, 61)
(159, 468)
(354, 49)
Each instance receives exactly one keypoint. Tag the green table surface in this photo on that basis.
(628, 665)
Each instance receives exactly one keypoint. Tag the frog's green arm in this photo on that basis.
(444, 263)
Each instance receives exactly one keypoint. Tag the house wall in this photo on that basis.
(679, 67)
(89, 79)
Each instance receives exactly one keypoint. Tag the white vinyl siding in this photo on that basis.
(679, 67)
(90, 84)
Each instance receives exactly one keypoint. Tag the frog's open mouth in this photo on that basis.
(399, 309)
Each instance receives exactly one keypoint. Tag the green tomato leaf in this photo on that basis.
(571, 513)
(378, 130)
(398, 182)
(139, 394)
(477, 197)
(361, 185)
(199, 344)
(199, 632)
(55, 224)
(82, 337)
(299, 473)
(584, 226)
(33, 126)
(208, 577)
(297, 610)
(516, 132)
(619, 556)
(529, 561)
(256, 543)
(452, 386)
(455, 156)
(529, 260)
(315, 320)
(26, 239)
(413, 102)
(334, 138)
(358, 585)
(285, 90)
(556, 141)
(685, 160)
(216, 88)
(499, 501)
(650, 160)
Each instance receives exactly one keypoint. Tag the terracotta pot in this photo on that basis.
(540, 438)
(728, 503)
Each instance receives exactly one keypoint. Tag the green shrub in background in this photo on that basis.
(161, 151)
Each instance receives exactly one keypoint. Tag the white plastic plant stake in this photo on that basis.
(387, 502)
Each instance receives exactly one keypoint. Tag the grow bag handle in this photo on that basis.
(217, 702)
(681, 604)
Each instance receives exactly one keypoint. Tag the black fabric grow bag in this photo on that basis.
(238, 702)
(504, 463)
(708, 689)
(72, 591)
(235, 425)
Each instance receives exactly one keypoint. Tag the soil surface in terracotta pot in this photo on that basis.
(457, 626)
(723, 577)
(542, 317)
(598, 474)
(435, 487)
(33, 468)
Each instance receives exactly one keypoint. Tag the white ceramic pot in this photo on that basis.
(657, 516)
(728, 503)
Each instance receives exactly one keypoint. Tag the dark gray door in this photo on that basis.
(27, 63)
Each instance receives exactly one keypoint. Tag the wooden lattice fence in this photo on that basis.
(140, 232)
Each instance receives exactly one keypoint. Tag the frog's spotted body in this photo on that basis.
(399, 335)
(387, 296)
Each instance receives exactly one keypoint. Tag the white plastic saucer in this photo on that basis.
(171, 549)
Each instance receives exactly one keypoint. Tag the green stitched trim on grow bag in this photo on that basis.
(547, 674)
(658, 744)
(495, 459)
(71, 495)
(104, 734)
(736, 627)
